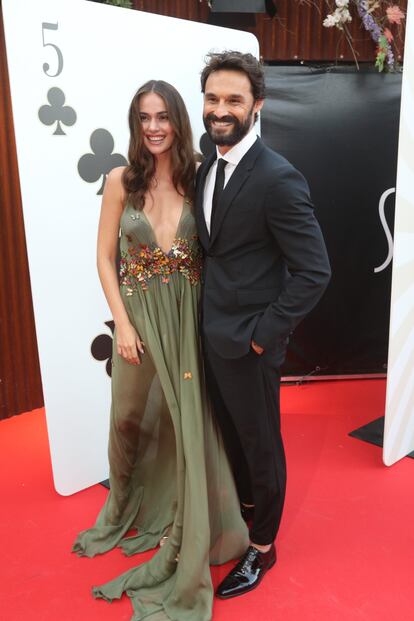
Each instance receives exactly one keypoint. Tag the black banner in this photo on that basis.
(339, 127)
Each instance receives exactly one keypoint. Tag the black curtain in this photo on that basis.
(339, 127)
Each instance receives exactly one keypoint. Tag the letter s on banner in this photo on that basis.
(386, 228)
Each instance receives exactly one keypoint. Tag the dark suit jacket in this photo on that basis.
(265, 265)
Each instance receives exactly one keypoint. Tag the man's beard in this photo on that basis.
(239, 131)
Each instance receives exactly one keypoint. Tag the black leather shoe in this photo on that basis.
(248, 573)
(247, 513)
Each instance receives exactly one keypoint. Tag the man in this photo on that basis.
(265, 268)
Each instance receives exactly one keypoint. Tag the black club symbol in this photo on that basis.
(101, 348)
(57, 112)
(207, 146)
(92, 166)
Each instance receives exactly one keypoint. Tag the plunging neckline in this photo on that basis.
(176, 230)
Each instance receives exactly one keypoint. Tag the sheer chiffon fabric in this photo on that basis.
(169, 474)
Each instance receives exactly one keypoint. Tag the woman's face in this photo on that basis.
(156, 127)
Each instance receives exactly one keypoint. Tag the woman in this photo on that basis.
(169, 476)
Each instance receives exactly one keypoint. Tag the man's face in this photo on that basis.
(229, 107)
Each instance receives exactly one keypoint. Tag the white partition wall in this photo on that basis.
(399, 415)
(74, 67)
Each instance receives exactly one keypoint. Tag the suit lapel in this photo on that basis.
(237, 180)
(199, 206)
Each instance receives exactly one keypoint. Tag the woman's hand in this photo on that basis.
(128, 344)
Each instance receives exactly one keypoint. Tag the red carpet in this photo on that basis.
(346, 546)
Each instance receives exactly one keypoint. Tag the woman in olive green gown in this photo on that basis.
(169, 476)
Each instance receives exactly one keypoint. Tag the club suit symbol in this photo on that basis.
(207, 146)
(93, 166)
(57, 112)
(101, 348)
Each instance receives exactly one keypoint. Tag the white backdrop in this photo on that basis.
(399, 414)
(97, 56)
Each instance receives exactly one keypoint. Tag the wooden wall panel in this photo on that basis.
(295, 34)
(20, 384)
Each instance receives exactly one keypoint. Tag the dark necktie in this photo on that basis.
(218, 189)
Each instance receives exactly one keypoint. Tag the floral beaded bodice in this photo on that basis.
(142, 259)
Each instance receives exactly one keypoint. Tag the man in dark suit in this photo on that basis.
(265, 268)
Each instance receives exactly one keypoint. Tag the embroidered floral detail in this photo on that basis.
(143, 262)
(188, 375)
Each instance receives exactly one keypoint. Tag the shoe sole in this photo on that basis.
(247, 590)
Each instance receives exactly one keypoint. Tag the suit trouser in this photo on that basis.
(245, 397)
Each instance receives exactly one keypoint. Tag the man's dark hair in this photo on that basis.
(236, 61)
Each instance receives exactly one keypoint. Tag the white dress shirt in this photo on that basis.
(233, 157)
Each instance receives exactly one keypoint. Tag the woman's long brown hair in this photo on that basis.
(137, 176)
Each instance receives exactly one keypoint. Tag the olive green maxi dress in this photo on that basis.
(169, 474)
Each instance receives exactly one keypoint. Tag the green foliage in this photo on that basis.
(126, 4)
(381, 53)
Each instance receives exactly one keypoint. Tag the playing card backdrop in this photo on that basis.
(399, 412)
(340, 128)
(74, 67)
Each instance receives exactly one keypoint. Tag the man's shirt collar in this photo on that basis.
(235, 154)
